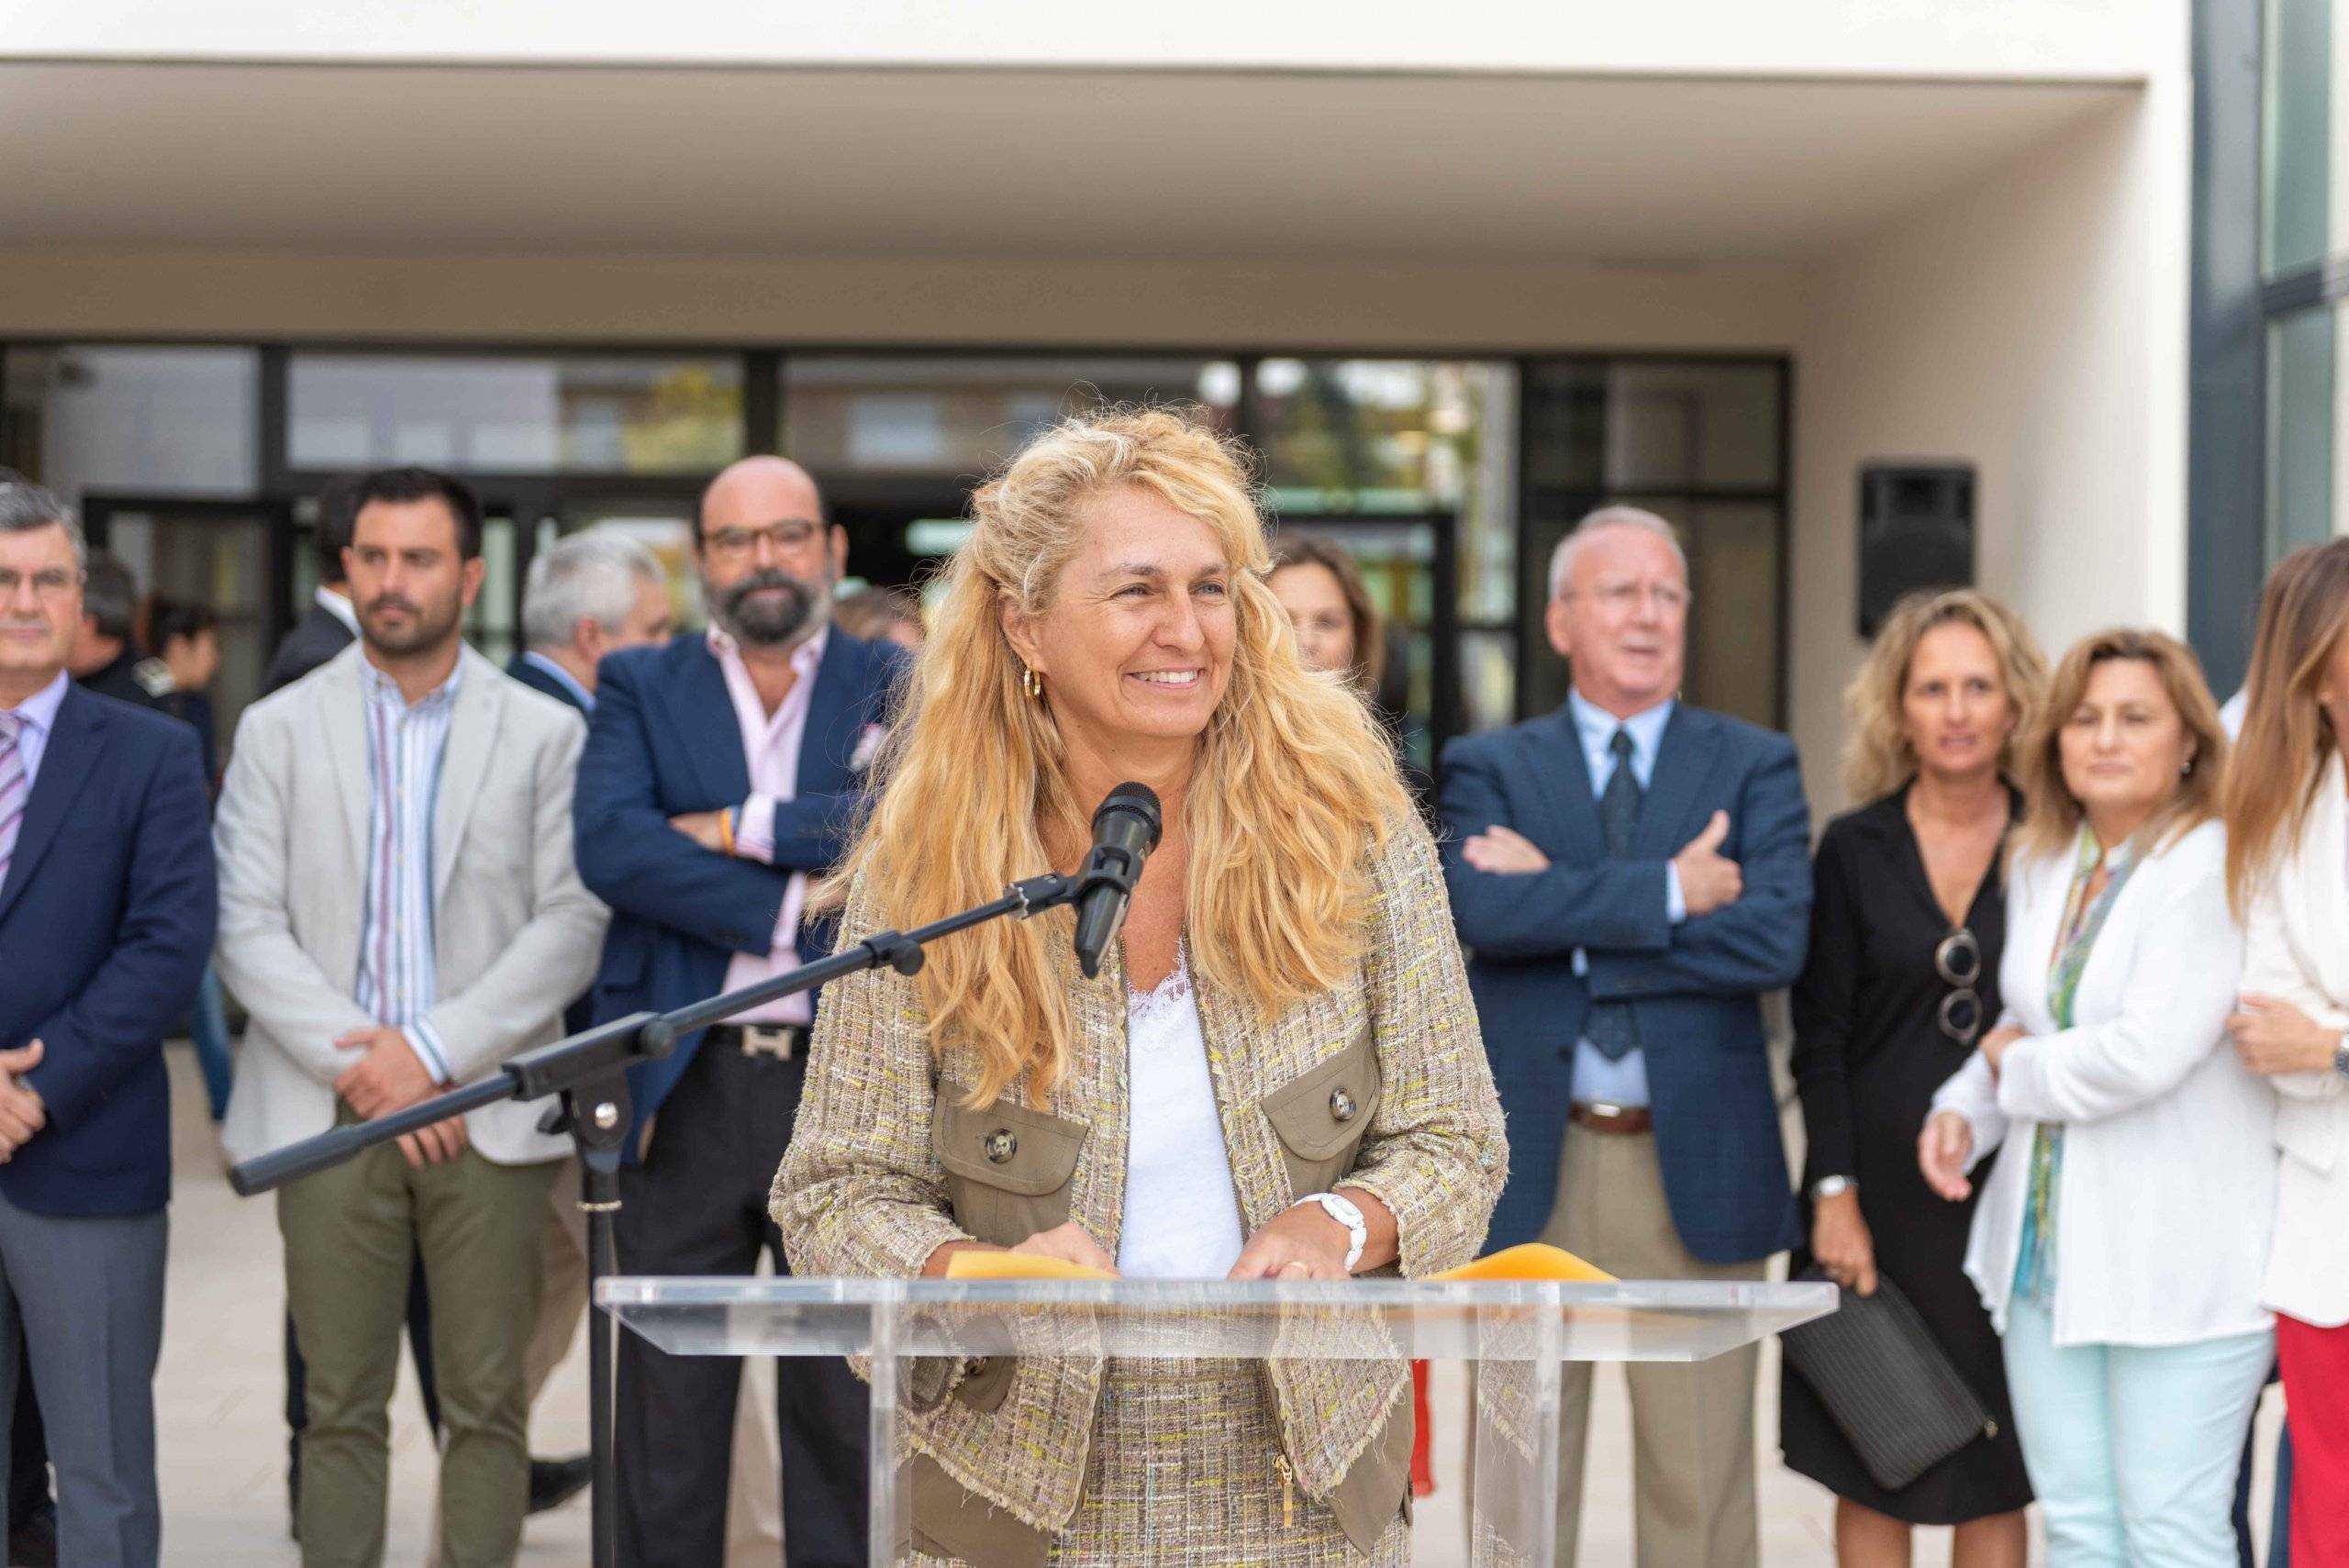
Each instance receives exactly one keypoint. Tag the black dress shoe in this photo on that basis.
(33, 1543)
(554, 1482)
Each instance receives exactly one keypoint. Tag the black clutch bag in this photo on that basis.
(1888, 1383)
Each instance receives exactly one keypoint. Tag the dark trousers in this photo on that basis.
(698, 1206)
(419, 1344)
(28, 1454)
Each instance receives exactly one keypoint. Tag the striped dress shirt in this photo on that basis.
(396, 971)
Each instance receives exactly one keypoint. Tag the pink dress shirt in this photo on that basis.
(770, 746)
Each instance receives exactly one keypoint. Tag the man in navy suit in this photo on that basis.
(1632, 874)
(720, 776)
(107, 903)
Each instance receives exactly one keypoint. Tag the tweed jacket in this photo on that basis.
(886, 1163)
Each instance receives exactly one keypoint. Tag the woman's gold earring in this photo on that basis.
(1031, 683)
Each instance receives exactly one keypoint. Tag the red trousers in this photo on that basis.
(2316, 1402)
(1423, 1440)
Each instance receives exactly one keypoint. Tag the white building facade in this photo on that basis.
(1461, 273)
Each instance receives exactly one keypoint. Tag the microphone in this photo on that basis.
(1125, 829)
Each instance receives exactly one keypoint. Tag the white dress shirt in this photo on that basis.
(1595, 1079)
(338, 606)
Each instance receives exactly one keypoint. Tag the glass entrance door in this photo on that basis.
(229, 555)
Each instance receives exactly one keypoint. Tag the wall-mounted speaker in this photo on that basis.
(1916, 532)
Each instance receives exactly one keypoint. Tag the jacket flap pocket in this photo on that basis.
(1004, 1145)
(1321, 1113)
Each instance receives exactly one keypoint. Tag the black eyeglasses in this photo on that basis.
(1958, 960)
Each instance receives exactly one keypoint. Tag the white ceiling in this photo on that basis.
(1067, 163)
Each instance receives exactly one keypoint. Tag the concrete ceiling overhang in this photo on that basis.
(1004, 163)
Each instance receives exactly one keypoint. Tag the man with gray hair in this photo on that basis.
(1633, 873)
(107, 905)
(585, 595)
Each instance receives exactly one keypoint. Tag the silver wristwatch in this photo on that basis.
(2341, 1056)
(1343, 1211)
(1832, 1186)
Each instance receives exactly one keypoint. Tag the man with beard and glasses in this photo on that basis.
(720, 776)
(399, 912)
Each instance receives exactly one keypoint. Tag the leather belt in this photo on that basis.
(784, 1042)
(1599, 1117)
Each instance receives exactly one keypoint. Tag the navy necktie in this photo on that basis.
(1610, 1024)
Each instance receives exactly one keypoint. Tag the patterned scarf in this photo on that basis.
(2083, 920)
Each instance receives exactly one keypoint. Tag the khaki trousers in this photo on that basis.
(350, 1233)
(562, 1293)
(1692, 1426)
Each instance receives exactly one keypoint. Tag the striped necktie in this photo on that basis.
(13, 789)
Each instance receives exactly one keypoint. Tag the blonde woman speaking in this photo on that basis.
(1278, 1075)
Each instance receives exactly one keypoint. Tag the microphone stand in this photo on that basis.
(589, 1072)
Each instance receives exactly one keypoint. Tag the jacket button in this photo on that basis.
(1001, 1145)
(1341, 1105)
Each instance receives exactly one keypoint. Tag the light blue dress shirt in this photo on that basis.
(1623, 1081)
(570, 682)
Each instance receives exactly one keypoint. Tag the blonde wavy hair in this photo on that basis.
(2051, 813)
(1879, 758)
(1294, 785)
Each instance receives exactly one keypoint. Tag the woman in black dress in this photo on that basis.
(1907, 919)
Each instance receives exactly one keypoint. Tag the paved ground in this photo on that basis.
(220, 1393)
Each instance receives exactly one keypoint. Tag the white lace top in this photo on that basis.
(1182, 1213)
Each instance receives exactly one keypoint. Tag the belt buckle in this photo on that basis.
(761, 1040)
(1603, 1110)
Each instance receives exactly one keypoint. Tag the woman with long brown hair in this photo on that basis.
(2117, 1243)
(1277, 1073)
(1908, 923)
(2287, 875)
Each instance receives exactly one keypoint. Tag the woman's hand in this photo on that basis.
(1840, 1240)
(1994, 1045)
(1302, 1243)
(1944, 1152)
(2272, 1036)
(1069, 1243)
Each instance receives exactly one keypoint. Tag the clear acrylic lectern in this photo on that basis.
(1516, 1334)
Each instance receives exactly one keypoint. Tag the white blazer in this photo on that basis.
(2295, 947)
(515, 934)
(2169, 1168)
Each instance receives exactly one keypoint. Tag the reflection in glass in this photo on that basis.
(2295, 134)
(1658, 425)
(902, 414)
(490, 623)
(495, 413)
(1368, 436)
(2300, 430)
(138, 421)
(215, 560)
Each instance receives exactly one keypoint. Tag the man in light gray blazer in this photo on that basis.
(399, 913)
